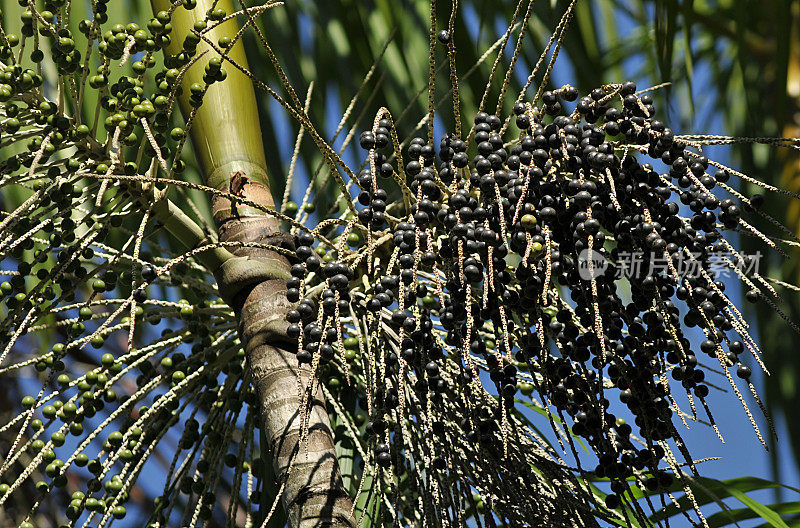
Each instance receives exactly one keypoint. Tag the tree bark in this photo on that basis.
(314, 494)
(227, 141)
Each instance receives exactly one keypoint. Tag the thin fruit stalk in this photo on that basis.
(226, 137)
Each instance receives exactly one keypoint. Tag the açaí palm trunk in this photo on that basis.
(227, 140)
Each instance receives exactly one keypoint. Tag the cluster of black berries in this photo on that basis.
(504, 236)
(335, 298)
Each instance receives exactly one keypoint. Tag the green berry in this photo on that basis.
(528, 221)
(355, 240)
(115, 439)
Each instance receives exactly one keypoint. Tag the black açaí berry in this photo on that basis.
(486, 240)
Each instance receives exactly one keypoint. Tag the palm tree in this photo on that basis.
(86, 236)
(253, 279)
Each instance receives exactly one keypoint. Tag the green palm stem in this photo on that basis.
(226, 137)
